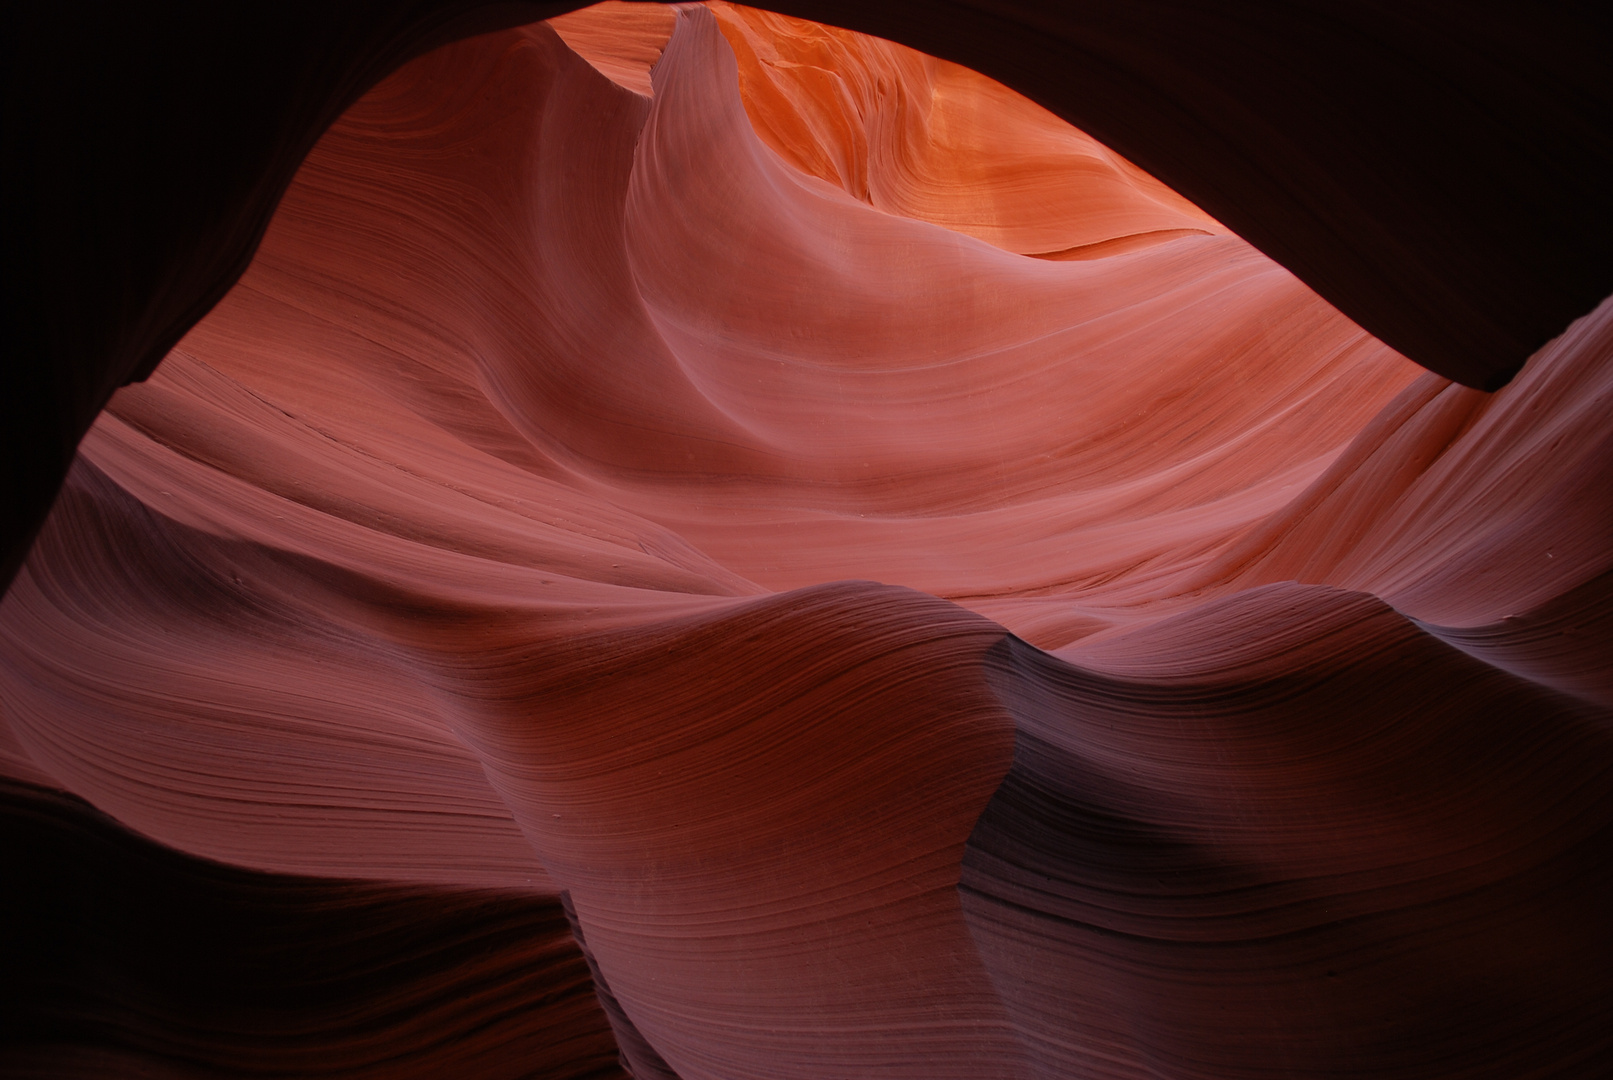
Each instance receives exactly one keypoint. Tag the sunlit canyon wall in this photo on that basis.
(712, 546)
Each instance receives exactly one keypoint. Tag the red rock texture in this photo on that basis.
(1432, 168)
(645, 479)
(128, 959)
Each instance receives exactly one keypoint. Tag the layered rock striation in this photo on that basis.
(907, 591)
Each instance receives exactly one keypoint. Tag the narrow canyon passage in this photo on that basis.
(783, 532)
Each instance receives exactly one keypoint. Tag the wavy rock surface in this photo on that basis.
(642, 466)
(1449, 201)
(127, 959)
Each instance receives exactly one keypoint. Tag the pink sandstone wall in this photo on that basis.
(784, 532)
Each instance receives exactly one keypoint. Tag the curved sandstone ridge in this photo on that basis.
(643, 480)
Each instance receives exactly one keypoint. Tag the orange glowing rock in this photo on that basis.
(931, 600)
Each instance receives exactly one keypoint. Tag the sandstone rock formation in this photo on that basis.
(780, 528)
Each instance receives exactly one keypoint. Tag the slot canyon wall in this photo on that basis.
(692, 543)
